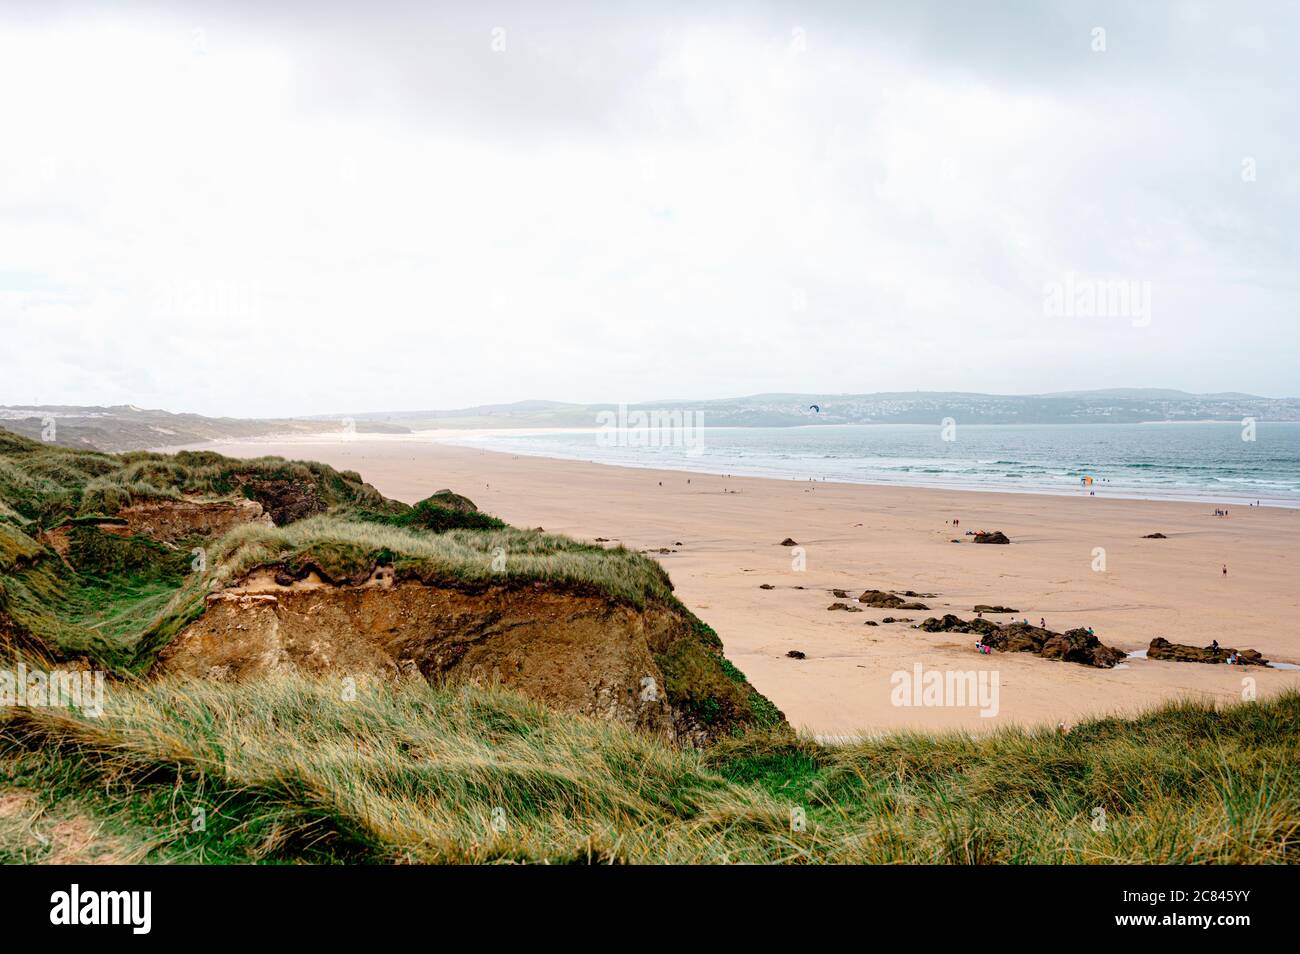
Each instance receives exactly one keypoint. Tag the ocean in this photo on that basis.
(1208, 462)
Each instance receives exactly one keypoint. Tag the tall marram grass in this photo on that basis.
(413, 773)
(345, 548)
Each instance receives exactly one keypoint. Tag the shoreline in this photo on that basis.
(720, 539)
(989, 488)
(465, 438)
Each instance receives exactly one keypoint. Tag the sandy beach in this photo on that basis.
(723, 537)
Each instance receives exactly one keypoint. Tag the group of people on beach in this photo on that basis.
(970, 533)
(1233, 658)
(1223, 511)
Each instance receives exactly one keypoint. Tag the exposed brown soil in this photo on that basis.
(166, 521)
(72, 839)
(15, 803)
(170, 521)
(285, 500)
(59, 539)
(582, 653)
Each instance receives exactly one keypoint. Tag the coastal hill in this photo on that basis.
(1116, 406)
(125, 427)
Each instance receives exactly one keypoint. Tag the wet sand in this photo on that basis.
(724, 535)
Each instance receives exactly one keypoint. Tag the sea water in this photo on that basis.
(1186, 461)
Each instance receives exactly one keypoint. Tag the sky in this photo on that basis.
(256, 209)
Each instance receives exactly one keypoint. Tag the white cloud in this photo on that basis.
(203, 215)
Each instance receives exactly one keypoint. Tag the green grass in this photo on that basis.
(123, 588)
(346, 550)
(431, 514)
(288, 770)
(44, 485)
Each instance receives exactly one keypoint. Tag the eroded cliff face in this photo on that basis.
(582, 653)
(169, 522)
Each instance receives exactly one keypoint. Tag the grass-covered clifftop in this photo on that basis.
(292, 770)
(42, 485)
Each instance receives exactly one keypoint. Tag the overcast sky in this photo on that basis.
(331, 207)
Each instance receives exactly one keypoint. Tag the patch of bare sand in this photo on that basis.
(15, 804)
(56, 839)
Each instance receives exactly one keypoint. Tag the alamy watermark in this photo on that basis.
(64, 688)
(129, 908)
(947, 688)
(201, 300)
(651, 428)
(1075, 297)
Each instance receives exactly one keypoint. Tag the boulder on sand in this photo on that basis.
(1079, 645)
(1155, 536)
(882, 600)
(955, 624)
(986, 608)
(845, 607)
(1162, 648)
(789, 542)
(997, 536)
(1075, 645)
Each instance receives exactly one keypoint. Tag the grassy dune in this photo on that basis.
(42, 485)
(291, 770)
(346, 550)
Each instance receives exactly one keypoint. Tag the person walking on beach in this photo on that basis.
(1225, 569)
